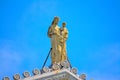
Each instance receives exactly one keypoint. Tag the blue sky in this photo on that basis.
(93, 45)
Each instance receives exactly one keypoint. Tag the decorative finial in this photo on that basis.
(16, 77)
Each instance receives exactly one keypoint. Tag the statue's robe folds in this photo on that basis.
(63, 38)
(54, 33)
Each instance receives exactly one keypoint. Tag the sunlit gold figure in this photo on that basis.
(58, 38)
(54, 33)
(63, 38)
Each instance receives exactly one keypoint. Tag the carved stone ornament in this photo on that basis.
(16, 77)
(26, 74)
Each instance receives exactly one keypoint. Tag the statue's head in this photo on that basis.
(56, 20)
(63, 24)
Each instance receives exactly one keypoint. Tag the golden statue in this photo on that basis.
(64, 36)
(53, 33)
(58, 38)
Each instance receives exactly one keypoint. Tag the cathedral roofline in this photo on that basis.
(64, 73)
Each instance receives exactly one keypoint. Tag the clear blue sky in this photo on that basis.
(93, 45)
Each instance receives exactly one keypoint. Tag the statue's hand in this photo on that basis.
(61, 36)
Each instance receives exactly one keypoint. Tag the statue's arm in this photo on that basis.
(66, 35)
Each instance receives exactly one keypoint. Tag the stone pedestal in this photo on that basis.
(63, 74)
